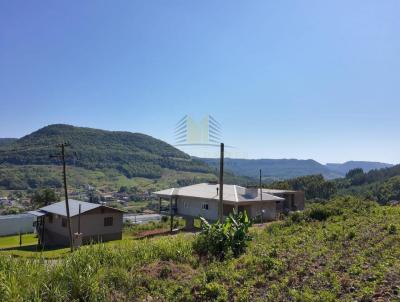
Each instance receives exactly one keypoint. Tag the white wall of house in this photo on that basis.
(194, 207)
(15, 224)
(189, 206)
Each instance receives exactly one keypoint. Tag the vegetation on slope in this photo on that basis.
(381, 185)
(349, 253)
(41, 176)
(26, 163)
(134, 154)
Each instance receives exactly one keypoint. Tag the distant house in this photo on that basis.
(202, 200)
(5, 201)
(97, 222)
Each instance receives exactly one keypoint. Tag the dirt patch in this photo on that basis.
(169, 270)
(151, 233)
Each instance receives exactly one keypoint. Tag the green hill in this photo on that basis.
(6, 141)
(130, 155)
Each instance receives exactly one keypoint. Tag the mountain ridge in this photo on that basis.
(275, 169)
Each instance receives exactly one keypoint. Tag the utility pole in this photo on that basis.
(221, 185)
(260, 187)
(62, 146)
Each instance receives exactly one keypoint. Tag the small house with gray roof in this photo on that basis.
(95, 222)
(202, 200)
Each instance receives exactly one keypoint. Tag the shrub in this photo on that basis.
(319, 213)
(351, 235)
(218, 239)
(296, 216)
(392, 229)
(214, 292)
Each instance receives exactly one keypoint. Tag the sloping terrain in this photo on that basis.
(6, 141)
(346, 250)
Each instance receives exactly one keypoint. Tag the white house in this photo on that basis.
(202, 200)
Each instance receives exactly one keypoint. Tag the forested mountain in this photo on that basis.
(381, 185)
(274, 169)
(130, 154)
(6, 141)
(134, 154)
(350, 165)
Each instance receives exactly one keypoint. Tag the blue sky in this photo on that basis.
(286, 79)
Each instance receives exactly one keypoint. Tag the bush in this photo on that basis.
(218, 239)
(392, 229)
(296, 217)
(319, 213)
(214, 292)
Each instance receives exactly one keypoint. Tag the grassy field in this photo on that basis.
(9, 245)
(12, 241)
(347, 250)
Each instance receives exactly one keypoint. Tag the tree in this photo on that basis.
(44, 197)
(356, 176)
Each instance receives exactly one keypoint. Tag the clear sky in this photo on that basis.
(286, 79)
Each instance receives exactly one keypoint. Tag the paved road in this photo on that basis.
(139, 219)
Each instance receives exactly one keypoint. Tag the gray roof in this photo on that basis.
(16, 216)
(59, 207)
(37, 213)
(232, 193)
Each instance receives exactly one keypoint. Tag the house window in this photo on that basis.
(108, 221)
(185, 204)
(64, 222)
(204, 206)
(50, 218)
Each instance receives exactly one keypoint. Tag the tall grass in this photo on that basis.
(345, 250)
(87, 274)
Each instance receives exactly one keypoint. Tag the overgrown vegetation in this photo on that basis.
(220, 239)
(381, 185)
(349, 253)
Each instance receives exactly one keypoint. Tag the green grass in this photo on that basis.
(13, 241)
(9, 245)
(351, 254)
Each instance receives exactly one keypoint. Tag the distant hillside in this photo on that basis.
(6, 141)
(274, 169)
(129, 154)
(365, 165)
